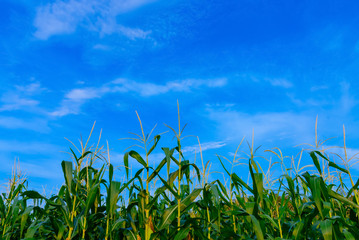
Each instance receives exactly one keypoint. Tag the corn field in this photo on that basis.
(176, 200)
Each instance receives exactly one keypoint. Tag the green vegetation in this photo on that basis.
(175, 200)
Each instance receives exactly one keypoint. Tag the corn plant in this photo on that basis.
(174, 199)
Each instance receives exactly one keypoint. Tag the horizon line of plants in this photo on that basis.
(299, 204)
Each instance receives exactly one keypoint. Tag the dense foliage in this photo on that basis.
(162, 203)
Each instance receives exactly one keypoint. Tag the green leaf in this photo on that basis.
(342, 199)
(258, 178)
(297, 232)
(182, 233)
(125, 161)
(355, 187)
(250, 207)
(118, 223)
(257, 228)
(138, 157)
(224, 190)
(316, 193)
(84, 155)
(67, 170)
(32, 194)
(113, 196)
(131, 180)
(110, 172)
(327, 229)
(331, 164)
(197, 171)
(170, 213)
(24, 217)
(320, 154)
(168, 154)
(169, 186)
(33, 229)
(91, 197)
(316, 162)
(156, 139)
(238, 180)
(348, 235)
(220, 160)
(157, 170)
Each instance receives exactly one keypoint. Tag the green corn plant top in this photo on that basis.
(175, 200)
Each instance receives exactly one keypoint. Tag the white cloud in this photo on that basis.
(308, 101)
(273, 126)
(74, 99)
(340, 102)
(110, 27)
(204, 147)
(64, 17)
(122, 6)
(152, 89)
(101, 47)
(274, 81)
(21, 97)
(14, 102)
(28, 147)
(68, 107)
(318, 88)
(133, 33)
(30, 89)
(329, 38)
(82, 94)
(39, 125)
(61, 17)
(48, 169)
(280, 82)
(347, 101)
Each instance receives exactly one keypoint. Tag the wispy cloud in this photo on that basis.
(340, 102)
(204, 147)
(274, 81)
(83, 94)
(24, 151)
(14, 102)
(152, 89)
(330, 38)
(347, 101)
(41, 168)
(75, 98)
(109, 27)
(280, 82)
(101, 47)
(48, 169)
(295, 128)
(61, 17)
(21, 97)
(64, 17)
(36, 124)
(309, 101)
(28, 147)
(318, 88)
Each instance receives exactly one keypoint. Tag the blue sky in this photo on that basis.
(234, 66)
